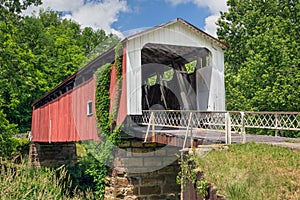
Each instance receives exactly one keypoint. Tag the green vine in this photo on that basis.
(118, 60)
(118, 66)
(109, 134)
(202, 187)
(102, 103)
(188, 174)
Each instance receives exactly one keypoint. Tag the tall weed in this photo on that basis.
(19, 181)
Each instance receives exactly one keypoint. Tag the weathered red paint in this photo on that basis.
(123, 100)
(65, 119)
(85, 125)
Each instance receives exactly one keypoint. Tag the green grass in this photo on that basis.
(19, 181)
(253, 171)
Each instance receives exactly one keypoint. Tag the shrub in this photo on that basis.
(8, 145)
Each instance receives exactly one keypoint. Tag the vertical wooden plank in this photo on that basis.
(61, 121)
(40, 132)
(68, 132)
(93, 128)
(70, 110)
(83, 108)
(64, 128)
(123, 100)
(82, 105)
(34, 123)
(76, 117)
(45, 123)
(56, 119)
(51, 113)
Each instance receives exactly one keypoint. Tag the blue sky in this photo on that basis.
(119, 16)
(151, 13)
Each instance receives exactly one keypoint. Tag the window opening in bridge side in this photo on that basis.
(89, 108)
(207, 58)
(191, 66)
(152, 80)
(168, 75)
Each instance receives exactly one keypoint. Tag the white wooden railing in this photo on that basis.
(227, 122)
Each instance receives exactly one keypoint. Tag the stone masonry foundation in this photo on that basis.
(52, 154)
(144, 171)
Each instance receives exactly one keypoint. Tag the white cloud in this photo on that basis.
(210, 25)
(98, 15)
(214, 6)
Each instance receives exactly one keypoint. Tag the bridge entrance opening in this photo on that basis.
(173, 77)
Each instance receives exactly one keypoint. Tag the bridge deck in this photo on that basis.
(219, 136)
(203, 136)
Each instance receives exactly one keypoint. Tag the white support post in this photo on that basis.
(149, 124)
(227, 128)
(153, 128)
(192, 137)
(243, 128)
(187, 130)
(276, 124)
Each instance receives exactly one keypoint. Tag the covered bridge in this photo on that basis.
(173, 66)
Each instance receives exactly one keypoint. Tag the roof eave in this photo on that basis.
(221, 44)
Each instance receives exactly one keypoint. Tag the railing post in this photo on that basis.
(153, 128)
(276, 125)
(149, 124)
(243, 128)
(227, 128)
(191, 131)
(187, 130)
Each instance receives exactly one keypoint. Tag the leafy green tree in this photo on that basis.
(262, 63)
(37, 53)
(9, 21)
(7, 144)
(16, 6)
(96, 42)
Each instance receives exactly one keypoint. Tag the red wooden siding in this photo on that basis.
(65, 119)
(113, 89)
(123, 100)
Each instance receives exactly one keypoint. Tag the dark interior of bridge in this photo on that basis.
(169, 76)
